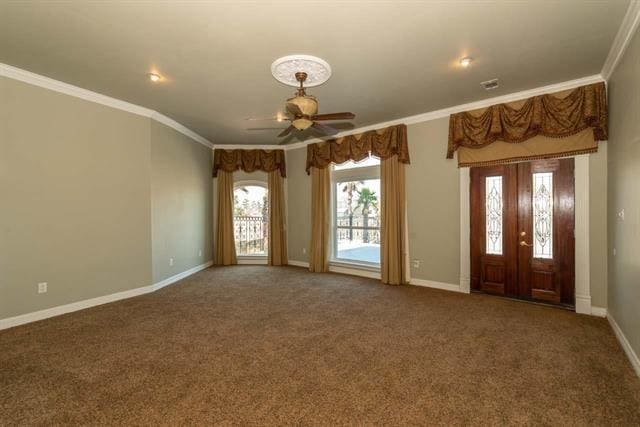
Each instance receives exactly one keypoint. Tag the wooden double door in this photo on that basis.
(522, 230)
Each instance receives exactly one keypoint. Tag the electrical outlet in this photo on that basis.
(170, 262)
(621, 215)
(42, 287)
(615, 252)
(200, 252)
(415, 263)
(304, 250)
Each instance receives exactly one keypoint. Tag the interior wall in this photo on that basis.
(95, 200)
(624, 194)
(433, 204)
(299, 206)
(74, 185)
(433, 208)
(598, 225)
(181, 202)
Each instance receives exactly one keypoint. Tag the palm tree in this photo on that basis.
(240, 209)
(349, 188)
(366, 199)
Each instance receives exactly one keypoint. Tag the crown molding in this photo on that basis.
(446, 112)
(168, 121)
(623, 38)
(98, 98)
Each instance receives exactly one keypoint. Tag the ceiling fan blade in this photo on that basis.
(294, 109)
(282, 118)
(287, 140)
(333, 116)
(327, 130)
(259, 119)
(286, 132)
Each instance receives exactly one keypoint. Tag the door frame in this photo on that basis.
(582, 253)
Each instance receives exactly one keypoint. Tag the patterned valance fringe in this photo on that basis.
(249, 161)
(551, 116)
(527, 158)
(383, 143)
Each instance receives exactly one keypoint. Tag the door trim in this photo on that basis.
(582, 255)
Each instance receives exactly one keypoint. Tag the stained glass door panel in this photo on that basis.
(493, 199)
(546, 217)
(522, 219)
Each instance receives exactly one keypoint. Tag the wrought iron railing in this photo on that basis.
(250, 233)
(358, 229)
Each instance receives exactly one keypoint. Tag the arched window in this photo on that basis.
(251, 218)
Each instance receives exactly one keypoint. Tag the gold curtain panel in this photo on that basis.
(249, 161)
(551, 117)
(383, 143)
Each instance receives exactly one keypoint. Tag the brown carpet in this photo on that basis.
(258, 345)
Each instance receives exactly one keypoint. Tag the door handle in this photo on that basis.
(523, 243)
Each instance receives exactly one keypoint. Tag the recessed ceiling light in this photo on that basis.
(154, 77)
(466, 61)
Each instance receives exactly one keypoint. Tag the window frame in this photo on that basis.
(254, 183)
(353, 174)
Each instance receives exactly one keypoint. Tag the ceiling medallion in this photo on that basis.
(284, 70)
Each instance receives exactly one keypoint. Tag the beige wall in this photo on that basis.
(74, 186)
(433, 208)
(181, 197)
(598, 225)
(76, 182)
(624, 194)
(298, 206)
(433, 204)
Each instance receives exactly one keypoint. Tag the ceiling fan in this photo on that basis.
(302, 112)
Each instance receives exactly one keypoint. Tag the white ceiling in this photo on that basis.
(389, 59)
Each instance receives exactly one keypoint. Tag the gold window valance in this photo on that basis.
(553, 125)
(249, 161)
(383, 143)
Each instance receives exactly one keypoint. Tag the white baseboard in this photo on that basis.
(22, 319)
(583, 304)
(436, 285)
(465, 285)
(624, 342)
(598, 311)
(376, 275)
(170, 280)
(298, 263)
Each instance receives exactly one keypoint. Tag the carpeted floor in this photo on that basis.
(257, 345)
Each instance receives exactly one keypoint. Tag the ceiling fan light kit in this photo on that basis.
(302, 109)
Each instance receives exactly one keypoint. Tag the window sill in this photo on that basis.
(252, 259)
(355, 265)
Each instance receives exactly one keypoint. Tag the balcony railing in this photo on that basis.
(358, 229)
(251, 235)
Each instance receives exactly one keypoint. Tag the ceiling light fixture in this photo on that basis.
(466, 61)
(154, 77)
